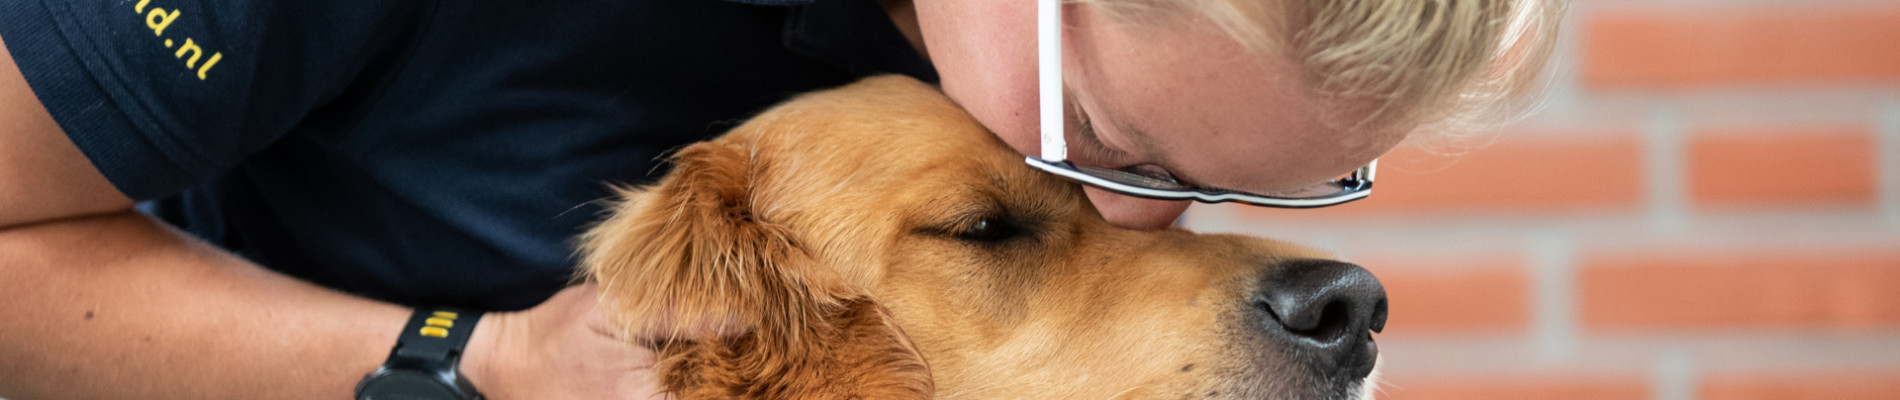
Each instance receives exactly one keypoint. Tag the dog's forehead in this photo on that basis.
(882, 115)
(883, 127)
(891, 148)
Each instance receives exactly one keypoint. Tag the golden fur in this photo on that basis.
(875, 242)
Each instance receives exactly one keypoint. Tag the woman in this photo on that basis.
(422, 153)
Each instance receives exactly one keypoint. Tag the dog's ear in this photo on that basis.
(689, 256)
(738, 306)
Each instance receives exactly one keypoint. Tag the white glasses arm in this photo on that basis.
(1049, 78)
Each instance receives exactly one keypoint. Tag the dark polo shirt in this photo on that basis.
(420, 152)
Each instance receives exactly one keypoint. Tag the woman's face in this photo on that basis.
(1176, 96)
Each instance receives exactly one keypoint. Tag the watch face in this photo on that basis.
(407, 385)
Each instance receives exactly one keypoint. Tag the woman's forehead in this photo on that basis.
(1251, 139)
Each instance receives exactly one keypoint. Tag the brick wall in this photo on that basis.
(1707, 208)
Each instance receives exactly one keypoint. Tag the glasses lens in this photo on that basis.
(1319, 190)
(1132, 179)
(1322, 190)
(1351, 187)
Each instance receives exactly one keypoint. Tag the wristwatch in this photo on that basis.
(423, 366)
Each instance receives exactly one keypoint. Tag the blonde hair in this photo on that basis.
(1446, 66)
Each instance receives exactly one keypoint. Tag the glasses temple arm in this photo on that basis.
(1049, 78)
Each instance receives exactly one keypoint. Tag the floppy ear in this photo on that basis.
(690, 258)
(736, 305)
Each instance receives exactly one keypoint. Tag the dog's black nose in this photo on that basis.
(1324, 311)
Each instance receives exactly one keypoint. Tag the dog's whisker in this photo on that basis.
(1129, 390)
(1377, 384)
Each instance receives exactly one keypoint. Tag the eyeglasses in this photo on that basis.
(1055, 149)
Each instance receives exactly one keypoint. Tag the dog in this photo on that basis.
(874, 241)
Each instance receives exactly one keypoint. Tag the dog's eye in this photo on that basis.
(988, 229)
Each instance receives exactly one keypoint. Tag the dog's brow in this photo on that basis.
(997, 180)
(955, 203)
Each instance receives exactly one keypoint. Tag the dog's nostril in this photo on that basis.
(1332, 322)
(1324, 326)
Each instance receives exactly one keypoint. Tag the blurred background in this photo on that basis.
(1708, 207)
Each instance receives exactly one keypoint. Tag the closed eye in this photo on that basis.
(1154, 172)
(988, 229)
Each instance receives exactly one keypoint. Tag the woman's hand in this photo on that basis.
(564, 348)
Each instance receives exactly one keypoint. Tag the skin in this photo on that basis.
(123, 307)
(1176, 96)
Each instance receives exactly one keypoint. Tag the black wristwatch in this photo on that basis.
(423, 366)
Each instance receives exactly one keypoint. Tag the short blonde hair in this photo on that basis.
(1447, 66)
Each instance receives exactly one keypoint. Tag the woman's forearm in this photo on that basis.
(120, 306)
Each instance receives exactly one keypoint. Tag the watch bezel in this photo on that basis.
(386, 379)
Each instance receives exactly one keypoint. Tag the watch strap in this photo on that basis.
(427, 353)
(434, 338)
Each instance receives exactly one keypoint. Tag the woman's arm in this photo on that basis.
(98, 301)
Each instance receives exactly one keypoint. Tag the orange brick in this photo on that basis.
(1753, 289)
(1542, 388)
(1476, 294)
(1798, 166)
(1593, 173)
(1805, 386)
(1688, 47)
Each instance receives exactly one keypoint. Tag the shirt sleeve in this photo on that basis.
(163, 94)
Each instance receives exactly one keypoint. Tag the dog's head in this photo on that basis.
(873, 241)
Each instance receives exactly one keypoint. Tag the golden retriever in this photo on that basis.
(874, 241)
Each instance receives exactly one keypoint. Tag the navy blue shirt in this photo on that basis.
(420, 152)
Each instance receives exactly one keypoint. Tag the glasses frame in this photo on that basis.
(1055, 148)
